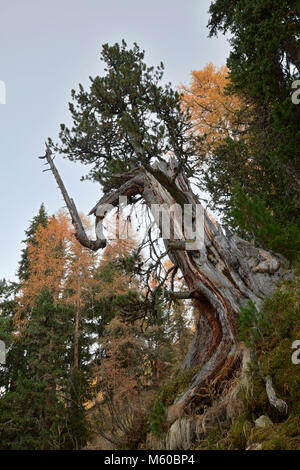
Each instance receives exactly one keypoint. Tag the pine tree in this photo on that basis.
(140, 144)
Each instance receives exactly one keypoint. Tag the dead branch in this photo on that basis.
(279, 404)
(76, 221)
(181, 295)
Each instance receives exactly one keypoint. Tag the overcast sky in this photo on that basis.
(46, 49)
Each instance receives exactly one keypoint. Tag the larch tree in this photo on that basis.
(80, 263)
(40, 219)
(215, 115)
(120, 366)
(120, 410)
(136, 352)
(55, 261)
(47, 263)
(139, 143)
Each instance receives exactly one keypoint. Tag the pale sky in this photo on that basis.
(46, 49)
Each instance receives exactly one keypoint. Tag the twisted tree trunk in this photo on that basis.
(221, 275)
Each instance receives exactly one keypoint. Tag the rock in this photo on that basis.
(289, 276)
(263, 422)
(182, 434)
(255, 446)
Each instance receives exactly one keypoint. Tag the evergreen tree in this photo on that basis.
(126, 120)
(33, 415)
(14, 353)
(256, 176)
(48, 343)
(40, 219)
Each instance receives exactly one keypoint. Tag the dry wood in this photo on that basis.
(76, 221)
(279, 404)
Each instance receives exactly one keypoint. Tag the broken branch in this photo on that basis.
(279, 404)
(76, 221)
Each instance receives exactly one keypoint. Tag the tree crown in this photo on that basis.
(128, 118)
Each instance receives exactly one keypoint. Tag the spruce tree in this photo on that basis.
(14, 353)
(33, 415)
(40, 219)
(256, 176)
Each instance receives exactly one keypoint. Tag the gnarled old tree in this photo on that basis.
(139, 143)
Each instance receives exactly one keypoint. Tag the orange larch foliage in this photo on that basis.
(58, 262)
(47, 262)
(212, 111)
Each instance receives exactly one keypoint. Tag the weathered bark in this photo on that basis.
(279, 404)
(220, 276)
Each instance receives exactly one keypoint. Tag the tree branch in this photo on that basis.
(76, 221)
(279, 404)
(181, 295)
